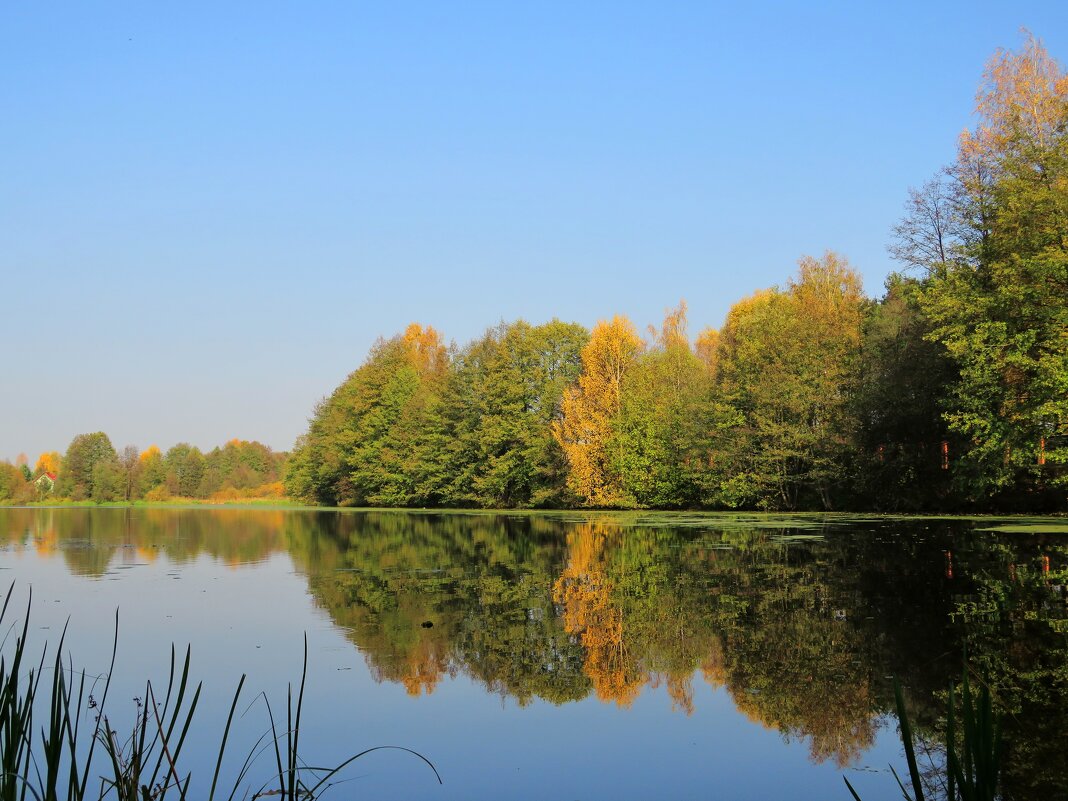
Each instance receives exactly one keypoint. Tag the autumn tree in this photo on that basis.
(50, 462)
(13, 484)
(587, 597)
(589, 409)
(659, 439)
(152, 470)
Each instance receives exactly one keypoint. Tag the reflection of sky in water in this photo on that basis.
(252, 617)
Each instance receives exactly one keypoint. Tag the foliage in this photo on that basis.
(89, 469)
(786, 369)
(13, 484)
(995, 292)
(898, 407)
(585, 428)
(502, 398)
(948, 393)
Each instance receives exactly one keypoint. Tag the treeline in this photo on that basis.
(92, 470)
(949, 392)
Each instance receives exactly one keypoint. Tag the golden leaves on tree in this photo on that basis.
(49, 463)
(427, 352)
(589, 407)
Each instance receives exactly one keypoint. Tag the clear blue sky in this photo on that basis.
(209, 211)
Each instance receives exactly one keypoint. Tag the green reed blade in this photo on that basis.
(226, 734)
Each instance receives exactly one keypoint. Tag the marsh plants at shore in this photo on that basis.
(57, 740)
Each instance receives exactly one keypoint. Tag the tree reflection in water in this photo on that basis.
(801, 620)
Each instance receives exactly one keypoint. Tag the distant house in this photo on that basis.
(46, 482)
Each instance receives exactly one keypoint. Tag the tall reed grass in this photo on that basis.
(65, 755)
(973, 748)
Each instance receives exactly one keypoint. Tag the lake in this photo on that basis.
(570, 655)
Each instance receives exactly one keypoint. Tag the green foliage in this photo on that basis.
(364, 441)
(184, 465)
(788, 363)
(498, 407)
(88, 469)
(995, 297)
(659, 442)
(899, 407)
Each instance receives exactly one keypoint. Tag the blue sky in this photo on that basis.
(209, 211)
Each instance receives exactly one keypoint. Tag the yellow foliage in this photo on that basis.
(48, 462)
(589, 408)
(158, 494)
(705, 347)
(586, 594)
(1023, 94)
(738, 317)
(150, 453)
(1022, 103)
(672, 333)
(424, 667)
(425, 349)
(830, 294)
(270, 490)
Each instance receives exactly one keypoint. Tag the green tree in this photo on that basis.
(80, 474)
(366, 444)
(500, 403)
(184, 464)
(786, 370)
(996, 299)
(661, 434)
(899, 404)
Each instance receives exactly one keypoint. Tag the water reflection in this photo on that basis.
(803, 622)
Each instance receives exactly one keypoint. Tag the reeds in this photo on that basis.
(973, 760)
(59, 761)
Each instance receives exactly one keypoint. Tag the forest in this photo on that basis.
(92, 470)
(947, 393)
(950, 392)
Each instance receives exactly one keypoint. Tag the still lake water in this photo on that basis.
(568, 656)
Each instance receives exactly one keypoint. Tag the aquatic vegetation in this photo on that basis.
(145, 765)
(972, 769)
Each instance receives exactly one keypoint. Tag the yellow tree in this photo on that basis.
(427, 352)
(584, 430)
(48, 463)
(707, 348)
